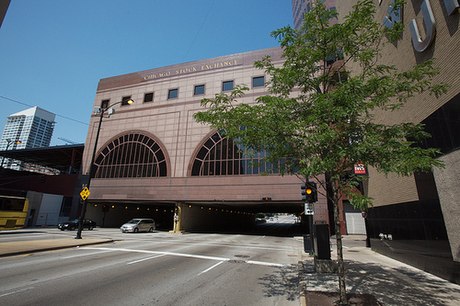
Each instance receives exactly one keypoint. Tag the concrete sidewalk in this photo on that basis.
(11, 248)
(391, 282)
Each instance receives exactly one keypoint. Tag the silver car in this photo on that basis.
(138, 225)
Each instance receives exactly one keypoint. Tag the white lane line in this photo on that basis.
(16, 291)
(263, 263)
(210, 268)
(144, 259)
(223, 259)
(161, 253)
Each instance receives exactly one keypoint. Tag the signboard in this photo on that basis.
(84, 194)
(309, 209)
(359, 169)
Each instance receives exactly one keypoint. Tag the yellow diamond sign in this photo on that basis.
(84, 194)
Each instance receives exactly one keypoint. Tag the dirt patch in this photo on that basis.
(321, 298)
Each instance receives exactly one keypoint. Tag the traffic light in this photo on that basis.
(309, 192)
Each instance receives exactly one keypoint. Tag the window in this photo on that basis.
(258, 81)
(105, 103)
(124, 100)
(198, 90)
(148, 97)
(132, 155)
(220, 155)
(227, 85)
(173, 93)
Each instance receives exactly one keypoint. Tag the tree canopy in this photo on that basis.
(318, 115)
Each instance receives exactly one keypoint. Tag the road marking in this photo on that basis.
(263, 263)
(160, 253)
(223, 259)
(16, 291)
(144, 259)
(210, 268)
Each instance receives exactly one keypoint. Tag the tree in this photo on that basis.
(320, 118)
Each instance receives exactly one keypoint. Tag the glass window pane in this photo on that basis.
(148, 97)
(258, 81)
(198, 90)
(173, 93)
(227, 85)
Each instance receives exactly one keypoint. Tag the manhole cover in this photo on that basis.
(237, 261)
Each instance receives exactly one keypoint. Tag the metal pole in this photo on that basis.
(90, 174)
(91, 165)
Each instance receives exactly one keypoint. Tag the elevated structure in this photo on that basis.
(153, 154)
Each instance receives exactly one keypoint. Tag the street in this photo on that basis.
(157, 268)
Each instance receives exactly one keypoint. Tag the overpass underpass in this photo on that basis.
(234, 217)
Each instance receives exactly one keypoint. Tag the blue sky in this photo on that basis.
(54, 52)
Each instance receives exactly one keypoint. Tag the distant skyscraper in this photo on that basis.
(300, 7)
(32, 127)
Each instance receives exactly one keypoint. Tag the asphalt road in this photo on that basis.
(158, 269)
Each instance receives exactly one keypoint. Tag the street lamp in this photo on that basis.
(91, 165)
(9, 142)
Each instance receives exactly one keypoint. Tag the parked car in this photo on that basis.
(138, 225)
(73, 225)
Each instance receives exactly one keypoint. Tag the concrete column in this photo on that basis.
(177, 218)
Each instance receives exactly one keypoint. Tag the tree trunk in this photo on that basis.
(340, 264)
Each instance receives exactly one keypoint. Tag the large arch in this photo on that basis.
(130, 155)
(219, 155)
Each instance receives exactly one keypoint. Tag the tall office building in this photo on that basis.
(30, 128)
(300, 7)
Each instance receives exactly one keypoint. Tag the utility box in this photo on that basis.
(308, 244)
(321, 241)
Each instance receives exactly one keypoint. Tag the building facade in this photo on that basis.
(154, 160)
(300, 7)
(30, 128)
(420, 213)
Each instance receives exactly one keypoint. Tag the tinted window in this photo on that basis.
(148, 97)
(198, 90)
(105, 103)
(124, 100)
(173, 93)
(258, 81)
(227, 85)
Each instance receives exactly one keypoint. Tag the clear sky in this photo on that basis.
(54, 52)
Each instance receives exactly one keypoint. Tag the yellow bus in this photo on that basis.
(13, 212)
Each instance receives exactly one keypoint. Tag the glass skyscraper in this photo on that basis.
(30, 128)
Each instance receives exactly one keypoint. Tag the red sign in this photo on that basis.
(360, 169)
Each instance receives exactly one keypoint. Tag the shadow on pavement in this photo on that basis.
(283, 282)
(390, 286)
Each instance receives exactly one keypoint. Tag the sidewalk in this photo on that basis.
(11, 248)
(384, 281)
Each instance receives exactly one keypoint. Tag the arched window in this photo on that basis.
(220, 155)
(131, 155)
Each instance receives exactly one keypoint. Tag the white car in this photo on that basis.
(138, 225)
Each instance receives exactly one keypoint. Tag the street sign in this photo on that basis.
(84, 194)
(309, 209)
(360, 169)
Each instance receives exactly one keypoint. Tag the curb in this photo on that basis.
(44, 249)
(302, 286)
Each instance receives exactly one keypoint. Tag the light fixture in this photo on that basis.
(91, 164)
